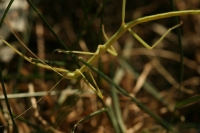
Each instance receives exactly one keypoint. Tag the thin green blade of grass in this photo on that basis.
(5, 12)
(7, 102)
(117, 111)
(87, 117)
(111, 115)
(113, 119)
(1, 77)
(187, 102)
(74, 57)
(47, 24)
(116, 103)
(178, 31)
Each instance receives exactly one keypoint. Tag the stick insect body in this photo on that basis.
(127, 27)
(107, 46)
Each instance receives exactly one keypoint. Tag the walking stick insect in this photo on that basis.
(107, 46)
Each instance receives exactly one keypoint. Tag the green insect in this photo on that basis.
(107, 46)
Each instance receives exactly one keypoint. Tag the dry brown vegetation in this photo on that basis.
(153, 76)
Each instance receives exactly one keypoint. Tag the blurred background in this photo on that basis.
(151, 76)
